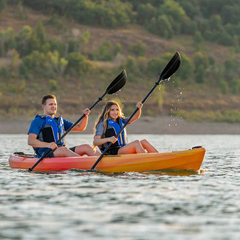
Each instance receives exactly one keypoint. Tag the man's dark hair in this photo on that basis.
(45, 98)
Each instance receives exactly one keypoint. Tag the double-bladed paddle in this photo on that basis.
(167, 72)
(115, 86)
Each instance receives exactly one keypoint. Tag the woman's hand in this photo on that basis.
(86, 111)
(112, 139)
(139, 105)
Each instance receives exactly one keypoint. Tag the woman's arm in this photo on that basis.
(98, 140)
(138, 113)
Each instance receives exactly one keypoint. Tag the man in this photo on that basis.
(46, 130)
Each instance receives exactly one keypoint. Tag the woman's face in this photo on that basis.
(114, 112)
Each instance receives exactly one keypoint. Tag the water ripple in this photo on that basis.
(77, 204)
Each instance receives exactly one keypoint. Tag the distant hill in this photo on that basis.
(42, 52)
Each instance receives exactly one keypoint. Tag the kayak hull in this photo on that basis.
(179, 160)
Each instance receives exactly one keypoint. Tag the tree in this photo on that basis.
(22, 41)
(75, 62)
(138, 48)
(145, 12)
(186, 69)
(200, 73)
(164, 27)
(3, 5)
(175, 13)
(198, 39)
(40, 31)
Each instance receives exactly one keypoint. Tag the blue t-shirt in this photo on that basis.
(100, 127)
(38, 124)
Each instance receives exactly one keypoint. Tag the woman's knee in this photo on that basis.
(137, 143)
(144, 141)
(85, 146)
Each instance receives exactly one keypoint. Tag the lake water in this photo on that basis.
(91, 205)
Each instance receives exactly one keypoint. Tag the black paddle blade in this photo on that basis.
(117, 83)
(171, 67)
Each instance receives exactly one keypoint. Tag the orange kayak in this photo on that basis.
(179, 160)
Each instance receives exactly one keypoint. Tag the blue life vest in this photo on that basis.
(52, 131)
(113, 128)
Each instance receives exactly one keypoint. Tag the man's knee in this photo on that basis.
(61, 151)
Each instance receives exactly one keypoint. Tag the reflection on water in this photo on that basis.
(79, 204)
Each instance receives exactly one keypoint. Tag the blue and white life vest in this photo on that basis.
(52, 131)
(113, 128)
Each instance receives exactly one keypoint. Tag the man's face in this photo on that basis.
(50, 108)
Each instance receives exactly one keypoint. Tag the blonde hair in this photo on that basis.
(104, 115)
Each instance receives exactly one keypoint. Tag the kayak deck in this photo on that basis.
(179, 160)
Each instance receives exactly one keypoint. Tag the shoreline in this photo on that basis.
(144, 125)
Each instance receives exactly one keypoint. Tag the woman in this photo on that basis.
(108, 125)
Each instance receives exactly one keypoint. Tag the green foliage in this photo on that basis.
(112, 14)
(200, 73)
(23, 71)
(231, 13)
(156, 65)
(135, 67)
(158, 97)
(145, 12)
(139, 48)
(200, 59)
(230, 116)
(162, 17)
(3, 4)
(161, 26)
(22, 41)
(175, 13)
(47, 65)
(117, 49)
(131, 64)
(53, 21)
(105, 51)
(223, 86)
(78, 64)
(7, 41)
(198, 38)
(53, 85)
(39, 32)
(191, 8)
(4, 73)
(186, 70)
(17, 87)
(142, 64)
(235, 85)
(22, 14)
(56, 44)
(231, 67)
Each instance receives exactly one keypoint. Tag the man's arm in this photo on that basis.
(34, 142)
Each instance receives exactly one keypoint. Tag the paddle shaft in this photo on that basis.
(60, 139)
(157, 83)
